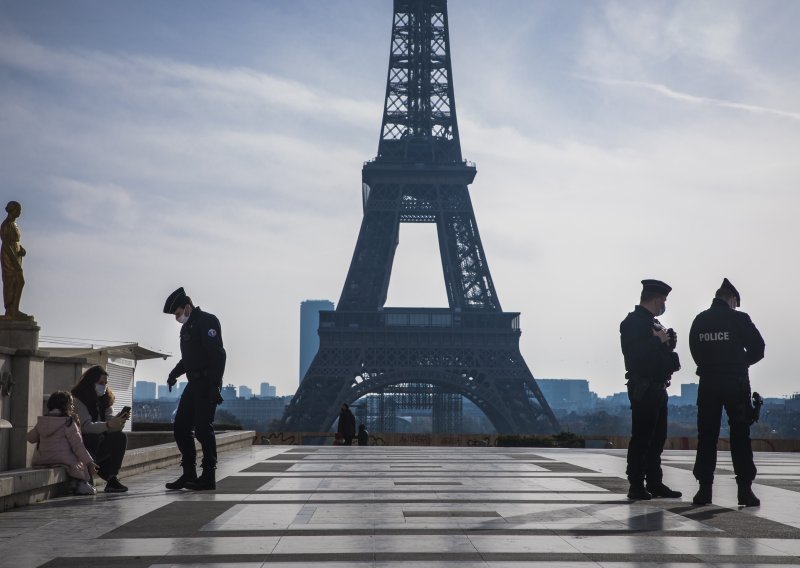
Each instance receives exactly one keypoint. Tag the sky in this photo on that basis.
(218, 146)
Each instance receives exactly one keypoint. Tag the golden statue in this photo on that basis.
(11, 259)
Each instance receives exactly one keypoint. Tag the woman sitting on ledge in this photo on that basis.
(102, 431)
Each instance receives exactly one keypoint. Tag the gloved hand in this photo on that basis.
(171, 381)
(216, 394)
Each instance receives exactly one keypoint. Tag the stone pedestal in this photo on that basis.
(20, 343)
(19, 335)
(26, 406)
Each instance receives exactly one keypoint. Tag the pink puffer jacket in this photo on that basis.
(59, 442)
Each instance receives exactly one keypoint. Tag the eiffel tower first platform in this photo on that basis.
(419, 176)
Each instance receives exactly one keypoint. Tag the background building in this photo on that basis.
(144, 390)
(309, 324)
(268, 391)
(245, 392)
(229, 392)
(568, 394)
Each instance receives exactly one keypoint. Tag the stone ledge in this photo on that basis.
(22, 487)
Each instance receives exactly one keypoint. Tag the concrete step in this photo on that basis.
(22, 487)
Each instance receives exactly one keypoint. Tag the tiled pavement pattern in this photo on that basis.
(401, 507)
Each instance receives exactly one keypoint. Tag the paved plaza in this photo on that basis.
(416, 507)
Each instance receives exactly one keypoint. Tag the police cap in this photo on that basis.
(176, 300)
(726, 285)
(656, 287)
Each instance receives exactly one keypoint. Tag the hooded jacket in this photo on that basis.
(58, 442)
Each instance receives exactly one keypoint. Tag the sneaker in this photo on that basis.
(659, 490)
(114, 486)
(83, 488)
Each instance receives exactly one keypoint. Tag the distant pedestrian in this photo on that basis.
(724, 343)
(203, 361)
(363, 435)
(101, 429)
(347, 425)
(650, 360)
(58, 442)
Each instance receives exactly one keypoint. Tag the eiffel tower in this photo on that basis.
(470, 348)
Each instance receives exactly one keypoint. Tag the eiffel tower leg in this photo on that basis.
(371, 267)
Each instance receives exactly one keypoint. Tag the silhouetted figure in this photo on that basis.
(650, 360)
(203, 361)
(363, 435)
(347, 425)
(724, 343)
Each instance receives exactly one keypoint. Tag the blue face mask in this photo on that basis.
(100, 389)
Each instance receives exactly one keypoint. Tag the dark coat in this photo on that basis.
(724, 341)
(202, 353)
(347, 423)
(646, 357)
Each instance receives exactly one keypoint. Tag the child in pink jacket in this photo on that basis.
(58, 442)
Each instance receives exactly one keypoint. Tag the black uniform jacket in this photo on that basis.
(646, 357)
(724, 341)
(202, 354)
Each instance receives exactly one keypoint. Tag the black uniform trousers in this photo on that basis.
(733, 393)
(648, 431)
(107, 449)
(195, 413)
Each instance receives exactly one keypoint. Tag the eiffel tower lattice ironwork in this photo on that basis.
(470, 348)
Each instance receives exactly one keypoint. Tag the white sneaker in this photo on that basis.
(84, 488)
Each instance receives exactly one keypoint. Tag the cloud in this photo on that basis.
(685, 97)
(242, 183)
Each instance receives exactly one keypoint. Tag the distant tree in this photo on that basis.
(225, 417)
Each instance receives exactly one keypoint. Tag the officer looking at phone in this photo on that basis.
(650, 359)
(203, 361)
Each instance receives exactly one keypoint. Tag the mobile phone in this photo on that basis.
(125, 410)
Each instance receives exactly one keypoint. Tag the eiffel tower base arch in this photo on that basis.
(483, 365)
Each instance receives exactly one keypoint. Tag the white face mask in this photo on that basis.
(183, 319)
(100, 389)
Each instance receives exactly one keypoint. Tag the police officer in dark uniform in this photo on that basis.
(203, 362)
(724, 343)
(650, 360)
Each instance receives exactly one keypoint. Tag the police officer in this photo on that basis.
(724, 343)
(203, 362)
(650, 360)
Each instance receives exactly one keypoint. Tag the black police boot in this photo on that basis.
(206, 482)
(189, 474)
(637, 492)
(703, 495)
(746, 496)
(659, 490)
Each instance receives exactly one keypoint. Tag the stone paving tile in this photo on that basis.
(415, 507)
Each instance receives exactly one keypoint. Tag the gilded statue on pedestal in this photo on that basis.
(11, 259)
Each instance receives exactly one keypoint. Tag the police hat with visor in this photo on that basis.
(177, 299)
(656, 287)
